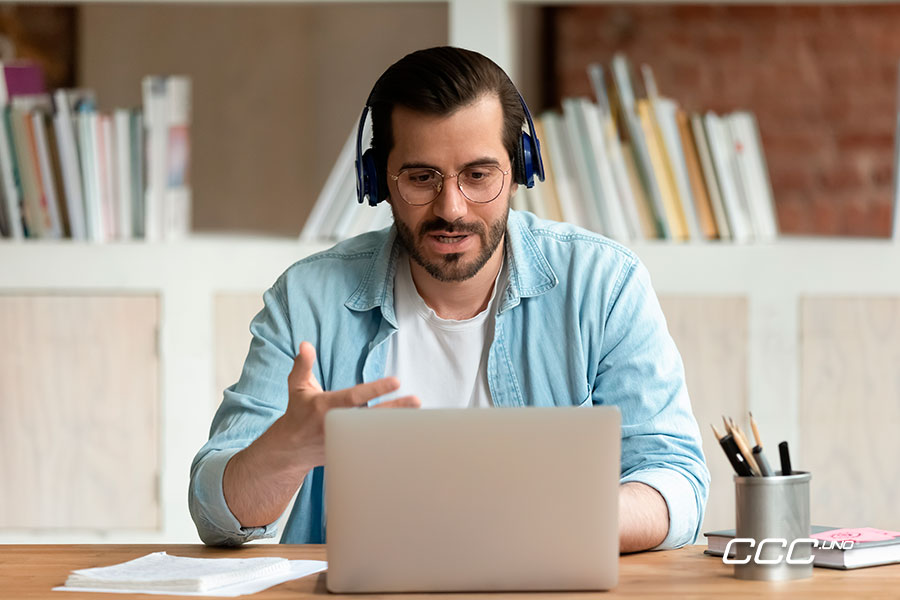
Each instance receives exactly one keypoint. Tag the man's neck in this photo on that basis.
(458, 300)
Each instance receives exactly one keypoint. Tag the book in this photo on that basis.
(20, 77)
(638, 143)
(720, 148)
(548, 186)
(613, 146)
(343, 169)
(93, 211)
(614, 205)
(752, 166)
(664, 111)
(67, 104)
(871, 547)
(569, 202)
(46, 170)
(577, 148)
(671, 212)
(645, 212)
(136, 139)
(709, 176)
(695, 176)
(108, 191)
(55, 163)
(122, 163)
(34, 203)
(585, 124)
(167, 116)
(9, 178)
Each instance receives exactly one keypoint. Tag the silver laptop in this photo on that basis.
(506, 499)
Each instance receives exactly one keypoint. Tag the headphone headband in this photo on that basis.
(528, 162)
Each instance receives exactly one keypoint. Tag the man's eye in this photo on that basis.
(421, 177)
(477, 176)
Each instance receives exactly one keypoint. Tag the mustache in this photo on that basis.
(439, 224)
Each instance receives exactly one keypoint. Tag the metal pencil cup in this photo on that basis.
(772, 511)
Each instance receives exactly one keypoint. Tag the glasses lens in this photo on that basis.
(419, 186)
(481, 183)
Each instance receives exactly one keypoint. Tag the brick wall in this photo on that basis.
(822, 81)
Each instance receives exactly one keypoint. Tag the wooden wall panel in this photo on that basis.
(233, 313)
(711, 334)
(79, 395)
(850, 410)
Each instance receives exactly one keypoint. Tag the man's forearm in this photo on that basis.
(643, 517)
(260, 480)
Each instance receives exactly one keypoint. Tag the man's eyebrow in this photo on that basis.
(484, 160)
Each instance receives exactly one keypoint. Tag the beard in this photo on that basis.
(451, 267)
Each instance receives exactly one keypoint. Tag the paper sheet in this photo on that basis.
(299, 568)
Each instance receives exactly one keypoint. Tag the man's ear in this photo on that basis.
(513, 188)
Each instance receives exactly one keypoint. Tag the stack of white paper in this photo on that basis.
(164, 573)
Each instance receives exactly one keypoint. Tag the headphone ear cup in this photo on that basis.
(370, 178)
(526, 153)
(519, 163)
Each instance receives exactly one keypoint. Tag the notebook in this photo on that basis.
(161, 572)
(870, 547)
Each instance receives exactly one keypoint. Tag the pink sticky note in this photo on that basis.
(857, 534)
(883, 532)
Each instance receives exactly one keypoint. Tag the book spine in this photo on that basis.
(45, 169)
(9, 176)
(122, 171)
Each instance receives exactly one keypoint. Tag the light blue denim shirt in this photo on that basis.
(578, 322)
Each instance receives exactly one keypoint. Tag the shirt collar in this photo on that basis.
(529, 272)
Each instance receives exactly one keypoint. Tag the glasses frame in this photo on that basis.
(396, 177)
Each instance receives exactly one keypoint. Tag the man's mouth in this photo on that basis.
(451, 239)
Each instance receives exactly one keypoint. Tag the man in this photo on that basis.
(461, 303)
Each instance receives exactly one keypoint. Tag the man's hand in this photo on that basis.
(303, 423)
(260, 480)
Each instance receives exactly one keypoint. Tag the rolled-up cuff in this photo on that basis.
(681, 500)
(215, 522)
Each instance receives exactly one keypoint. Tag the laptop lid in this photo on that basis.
(472, 500)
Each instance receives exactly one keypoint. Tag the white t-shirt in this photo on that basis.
(441, 361)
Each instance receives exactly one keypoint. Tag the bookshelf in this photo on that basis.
(763, 303)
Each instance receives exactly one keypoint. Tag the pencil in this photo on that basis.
(755, 431)
(716, 433)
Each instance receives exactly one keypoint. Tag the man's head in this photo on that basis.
(451, 111)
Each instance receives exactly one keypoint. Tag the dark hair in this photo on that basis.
(438, 81)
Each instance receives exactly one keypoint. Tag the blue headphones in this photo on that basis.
(526, 166)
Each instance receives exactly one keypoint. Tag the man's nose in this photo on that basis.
(450, 204)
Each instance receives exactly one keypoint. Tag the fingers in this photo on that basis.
(405, 402)
(301, 375)
(362, 393)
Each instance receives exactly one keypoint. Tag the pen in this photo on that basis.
(761, 462)
(738, 460)
(743, 446)
(785, 459)
(733, 453)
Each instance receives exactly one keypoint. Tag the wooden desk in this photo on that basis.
(28, 572)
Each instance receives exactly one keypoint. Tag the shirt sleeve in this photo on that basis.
(248, 408)
(642, 374)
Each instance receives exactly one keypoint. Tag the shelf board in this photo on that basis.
(223, 263)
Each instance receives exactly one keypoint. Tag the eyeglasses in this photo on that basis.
(481, 184)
